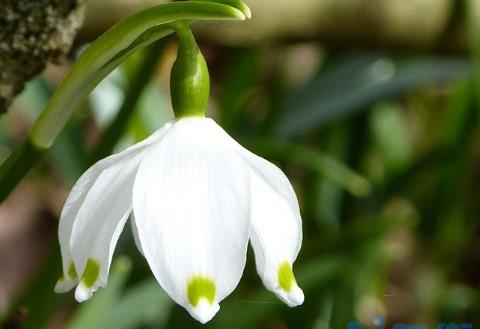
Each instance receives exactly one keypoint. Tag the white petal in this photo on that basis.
(65, 284)
(136, 239)
(94, 215)
(204, 311)
(276, 227)
(83, 293)
(191, 204)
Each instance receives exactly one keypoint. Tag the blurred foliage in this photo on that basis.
(382, 149)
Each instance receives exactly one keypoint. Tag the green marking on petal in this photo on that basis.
(72, 272)
(286, 279)
(90, 275)
(200, 287)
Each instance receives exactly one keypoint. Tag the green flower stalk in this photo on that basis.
(189, 81)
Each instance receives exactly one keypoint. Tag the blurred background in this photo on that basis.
(371, 107)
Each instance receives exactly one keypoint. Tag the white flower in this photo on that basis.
(198, 197)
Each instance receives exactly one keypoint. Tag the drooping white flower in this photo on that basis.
(198, 197)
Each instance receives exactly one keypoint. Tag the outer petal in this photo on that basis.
(136, 239)
(94, 215)
(276, 227)
(191, 203)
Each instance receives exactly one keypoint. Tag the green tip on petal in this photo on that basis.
(72, 272)
(91, 273)
(64, 284)
(286, 279)
(288, 290)
(200, 287)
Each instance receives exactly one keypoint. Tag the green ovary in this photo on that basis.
(286, 279)
(200, 287)
(91, 273)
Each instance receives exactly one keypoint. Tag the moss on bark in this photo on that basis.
(32, 34)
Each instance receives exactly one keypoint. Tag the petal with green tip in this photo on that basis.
(191, 203)
(95, 213)
(276, 234)
(64, 284)
(88, 283)
(288, 290)
(201, 292)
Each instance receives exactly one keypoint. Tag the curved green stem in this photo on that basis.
(106, 53)
(112, 48)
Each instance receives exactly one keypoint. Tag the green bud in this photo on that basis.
(189, 81)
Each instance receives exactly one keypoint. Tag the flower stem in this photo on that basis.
(190, 80)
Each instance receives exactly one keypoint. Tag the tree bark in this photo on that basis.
(32, 34)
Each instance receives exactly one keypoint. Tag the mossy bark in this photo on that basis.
(32, 34)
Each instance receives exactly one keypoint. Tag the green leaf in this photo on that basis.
(94, 313)
(329, 167)
(356, 83)
(235, 87)
(391, 136)
(247, 313)
(144, 304)
(16, 166)
(328, 197)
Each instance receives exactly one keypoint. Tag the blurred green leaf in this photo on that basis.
(330, 168)
(143, 305)
(358, 82)
(458, 114)
(245, 314)
(234, 89)
(391, 136)
(95, 313)
(328, 197)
